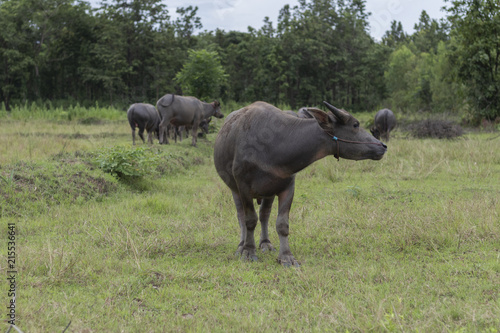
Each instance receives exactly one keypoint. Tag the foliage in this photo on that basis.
(131, 51)
(476, 28)
(126, 51)
(429, 33)
(202, 75)
(446, 89)
(125, 162)
(420, 74)
(395, 36)
(400, 77)
(324, 52)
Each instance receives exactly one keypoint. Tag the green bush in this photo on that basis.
(125, 162)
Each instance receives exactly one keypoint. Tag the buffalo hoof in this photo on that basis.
(246, 255)
(288, 261)
(239, 250)
(266, 246)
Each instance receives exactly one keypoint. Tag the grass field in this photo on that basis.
(409, 243)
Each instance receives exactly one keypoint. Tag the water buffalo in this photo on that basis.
(290, 112)
(258, 151)
(184, 111)
(144, 116)
(385, 121)
(203, 126)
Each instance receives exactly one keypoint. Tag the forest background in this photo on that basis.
(66, 52)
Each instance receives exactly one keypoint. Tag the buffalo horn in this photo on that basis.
(340, 114)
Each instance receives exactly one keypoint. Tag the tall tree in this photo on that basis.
(429, 32)
(396, 36)
(202, 75)
(16, 54)
(400, 78)
(126, 52)
(447, 91)
(476, 28)
(186, 24)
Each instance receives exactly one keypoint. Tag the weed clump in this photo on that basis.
(124, 162)
(437, 129)
(129, 163)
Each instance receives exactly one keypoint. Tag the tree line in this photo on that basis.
(127, 51)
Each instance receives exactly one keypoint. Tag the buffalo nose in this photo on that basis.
(384, 145)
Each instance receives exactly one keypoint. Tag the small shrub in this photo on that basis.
(123, 162)
(440, 129)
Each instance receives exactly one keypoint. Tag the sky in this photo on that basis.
(239, 14)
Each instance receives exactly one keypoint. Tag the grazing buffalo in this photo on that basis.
(258, 151)
(385, 121)
(144, 116)
(203, 126)
(184, 111)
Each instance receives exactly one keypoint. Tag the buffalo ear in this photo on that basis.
(324, 119)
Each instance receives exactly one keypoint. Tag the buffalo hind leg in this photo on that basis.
(194, 130)
(133, 136)
(265, 211)
(285, 199)
(247, 219)
(141, 133)
(241, 220)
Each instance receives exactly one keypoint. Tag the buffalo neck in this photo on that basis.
(304, 143)
(208, 110)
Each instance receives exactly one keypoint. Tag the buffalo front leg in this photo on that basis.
(247, 219)
(265, 211)
(285, 199)
(179, 130)
(194, 130)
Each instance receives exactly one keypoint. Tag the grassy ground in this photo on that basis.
(408, 243)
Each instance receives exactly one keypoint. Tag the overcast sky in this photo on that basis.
(239, 14)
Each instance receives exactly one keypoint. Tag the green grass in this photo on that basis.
(47, 111)
(409, 243)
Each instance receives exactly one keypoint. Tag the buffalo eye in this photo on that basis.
(356, 125)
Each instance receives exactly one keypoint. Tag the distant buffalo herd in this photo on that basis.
(175, 114)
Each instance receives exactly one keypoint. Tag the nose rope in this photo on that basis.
(337, 156)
